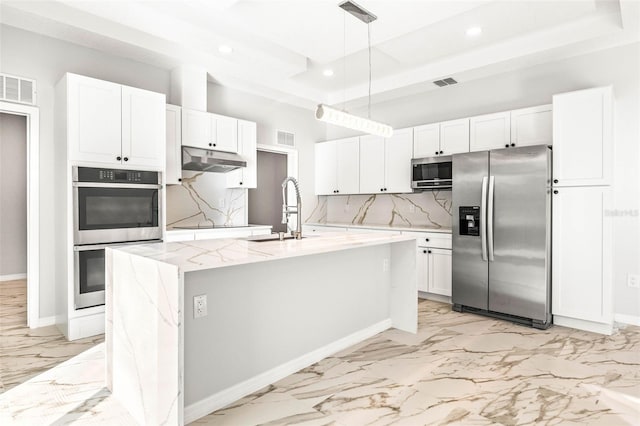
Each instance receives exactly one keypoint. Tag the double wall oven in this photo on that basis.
(110, 207)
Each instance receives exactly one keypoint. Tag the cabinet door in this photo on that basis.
(245, 177)
(491, 131)
(173, 173)
(94, 121)
(372, 175)
(325, 164)
(582, 137)
(454, 136)
(422, 269)
(397, 170)
(143, 128)
(581, 253)
(196, 129)
(226, 133)
(440, 271)
(531, 126)
(348, 166)
(426, 140)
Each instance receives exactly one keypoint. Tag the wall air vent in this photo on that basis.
(285, 138)
(17, 89)
(445, 82)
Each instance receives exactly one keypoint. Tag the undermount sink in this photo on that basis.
(269, 237)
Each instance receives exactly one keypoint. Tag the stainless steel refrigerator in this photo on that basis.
(501, 234)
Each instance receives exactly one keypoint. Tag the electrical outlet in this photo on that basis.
(347, 207)
(221, 203)
(412, 208)
(385, 265)
(633, 280)
(200, 306)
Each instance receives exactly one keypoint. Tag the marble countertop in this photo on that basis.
(217, 253)
(414, 228)
(219, 228)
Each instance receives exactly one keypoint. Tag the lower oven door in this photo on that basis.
(89, 276)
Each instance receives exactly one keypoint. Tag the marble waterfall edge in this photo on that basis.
(203, 200)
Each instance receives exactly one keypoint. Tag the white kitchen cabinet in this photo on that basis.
(490, 131)
(426, 140)
(532, 126)
(197, 130)
(581, 258)
(173, 172)
(439, 271)
(94, 120)
(337, 167)
(385, 164)
(314, 229)
(583, 137)
(226, 133)
(245, 177)
(143, 128)
(113, 124)
(454, 136)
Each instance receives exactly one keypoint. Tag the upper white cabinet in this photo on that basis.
(245, 177)
(583, 139)
(113, 124)
(490, 131)
(209, 131)
(385, 164)
(582, 235)
(336, 167)
(173, 173)
(143, 127)
(446, 138)
(532, 126)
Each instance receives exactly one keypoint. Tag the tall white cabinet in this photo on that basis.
(336, 167)
(385, 164)
(582, 229)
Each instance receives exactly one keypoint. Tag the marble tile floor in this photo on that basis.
(458, 369)
(25, 353)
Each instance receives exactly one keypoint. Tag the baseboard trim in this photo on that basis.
(595, 327)
(627, 319)
(13, 277)
(223, 398)
(45, 321)
(434, 297)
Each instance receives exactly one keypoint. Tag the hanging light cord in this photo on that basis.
(344, 60)
(369, 44)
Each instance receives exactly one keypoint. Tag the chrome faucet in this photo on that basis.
(288, 210)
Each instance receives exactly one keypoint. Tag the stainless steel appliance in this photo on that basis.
(501, 234)
(431, 173)
(206, 160)
(110, 208)
(112, 205)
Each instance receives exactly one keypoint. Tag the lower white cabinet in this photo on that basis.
(581, 258)
(434, 270)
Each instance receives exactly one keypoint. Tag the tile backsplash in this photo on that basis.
(203, 199)
(429, 208)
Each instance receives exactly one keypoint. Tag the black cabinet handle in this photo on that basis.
(214, 144)
(381, 189)
(428, 251)
(118, 158)
(126, 158)
(513, 144)
(555, 191)
(240, 183)
(426, 239)
(210, 144)
(506, 145)
(436, 152)
(440, 152)
(555, 181)
(179, 179)
(424, 251)
(337, 191)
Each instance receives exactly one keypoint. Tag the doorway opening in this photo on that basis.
(274, 164)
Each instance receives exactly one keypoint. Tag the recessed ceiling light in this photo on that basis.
(225, 49)
(327, 72)
(474, 31)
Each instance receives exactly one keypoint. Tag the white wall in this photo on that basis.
(13, 194)
(619, 67)
(46, 60)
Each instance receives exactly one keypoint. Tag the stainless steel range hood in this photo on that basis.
(204, 160)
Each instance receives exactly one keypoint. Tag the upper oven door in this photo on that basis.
(105, 213)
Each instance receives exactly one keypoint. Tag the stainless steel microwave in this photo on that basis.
(431, 173)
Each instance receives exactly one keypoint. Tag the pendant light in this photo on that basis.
(342, 118)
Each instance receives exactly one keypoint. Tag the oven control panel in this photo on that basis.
(92, 174)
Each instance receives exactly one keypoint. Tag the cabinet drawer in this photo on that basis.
(430, 239)
(173, 236)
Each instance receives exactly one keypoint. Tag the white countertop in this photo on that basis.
(414, 228)
(219, 228)
(217, 253)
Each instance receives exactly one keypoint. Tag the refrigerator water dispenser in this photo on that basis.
(469, 220)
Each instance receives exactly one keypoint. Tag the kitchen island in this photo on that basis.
(273, 308)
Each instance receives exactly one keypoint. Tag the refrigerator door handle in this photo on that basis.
(489, 220)
(483, 222)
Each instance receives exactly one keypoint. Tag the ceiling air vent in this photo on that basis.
(17, 89)
(445, 82)
(286, 139)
